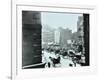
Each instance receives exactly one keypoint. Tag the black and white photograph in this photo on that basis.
(55, 39)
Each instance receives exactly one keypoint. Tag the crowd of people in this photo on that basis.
(62, 57)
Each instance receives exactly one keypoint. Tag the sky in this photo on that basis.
(64, 20)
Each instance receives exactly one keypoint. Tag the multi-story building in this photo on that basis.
(62, 36)
(31, 38)
(57, 35)
(47, 36)
(80, 28)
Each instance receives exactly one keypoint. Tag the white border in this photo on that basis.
(17, 40)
